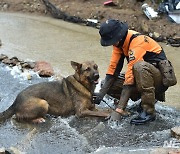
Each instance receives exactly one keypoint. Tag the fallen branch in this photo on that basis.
(57, 13)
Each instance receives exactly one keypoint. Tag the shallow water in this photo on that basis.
(59, 42)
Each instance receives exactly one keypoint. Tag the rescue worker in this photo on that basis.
(143, 55)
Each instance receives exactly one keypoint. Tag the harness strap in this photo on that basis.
(132, 37)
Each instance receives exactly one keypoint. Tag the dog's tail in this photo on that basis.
(5, 115)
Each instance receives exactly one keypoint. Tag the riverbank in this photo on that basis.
(161, 29)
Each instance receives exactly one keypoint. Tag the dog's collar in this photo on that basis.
(78, 86)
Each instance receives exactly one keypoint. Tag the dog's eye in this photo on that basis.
(95, 67)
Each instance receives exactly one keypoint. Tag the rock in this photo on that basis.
(0, 43)
(14, 150)
(156, 35)
(28, 65)
(5, 6)
(144, 27)
(174, 42)
(2, 150)
(175, 132)
(11, 62)
(44, 69)
(2, 57)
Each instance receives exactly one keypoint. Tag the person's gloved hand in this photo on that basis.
(97, 98)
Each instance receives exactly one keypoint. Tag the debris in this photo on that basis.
(26, 75)
(175, 16)
(2, 57)
(172, 9)
(149, 11)
(93, 20)
(109, 3)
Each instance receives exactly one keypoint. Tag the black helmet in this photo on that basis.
(112, 31)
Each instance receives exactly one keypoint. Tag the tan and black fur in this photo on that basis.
(69, 96)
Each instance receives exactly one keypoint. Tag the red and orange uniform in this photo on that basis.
(140, 48)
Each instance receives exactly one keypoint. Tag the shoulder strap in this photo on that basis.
(132, 37)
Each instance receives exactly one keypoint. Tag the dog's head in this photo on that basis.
(87, 73)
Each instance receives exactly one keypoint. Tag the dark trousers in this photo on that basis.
(148, 80)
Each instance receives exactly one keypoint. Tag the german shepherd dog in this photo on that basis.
(70, 96)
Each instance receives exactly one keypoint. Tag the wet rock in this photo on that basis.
(27, 65)
(19, 67)
(156, 35)
(44, 69)
(2, 150)
(174, 42)
(14, 150)
(175, 132)
(2, 57)
(11, 62)
(5, 6)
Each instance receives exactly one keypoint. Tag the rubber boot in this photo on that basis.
(143, 118)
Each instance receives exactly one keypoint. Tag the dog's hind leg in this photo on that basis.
(32, 109)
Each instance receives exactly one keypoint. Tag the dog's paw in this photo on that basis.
(39, 120)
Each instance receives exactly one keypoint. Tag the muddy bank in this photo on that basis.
(78, 11)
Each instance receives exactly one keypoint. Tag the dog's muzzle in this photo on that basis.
(95, 78)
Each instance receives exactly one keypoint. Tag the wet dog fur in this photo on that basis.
(70, 96)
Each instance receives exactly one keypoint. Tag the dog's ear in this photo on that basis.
(76, 66)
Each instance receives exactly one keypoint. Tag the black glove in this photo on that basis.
(97, 97)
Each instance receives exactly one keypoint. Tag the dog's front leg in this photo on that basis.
(87, 112)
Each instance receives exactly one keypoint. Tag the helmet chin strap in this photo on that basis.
(121, 42)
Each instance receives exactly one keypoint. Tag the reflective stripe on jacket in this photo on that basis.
(140, 48)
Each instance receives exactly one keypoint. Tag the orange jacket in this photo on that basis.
(140, 48)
